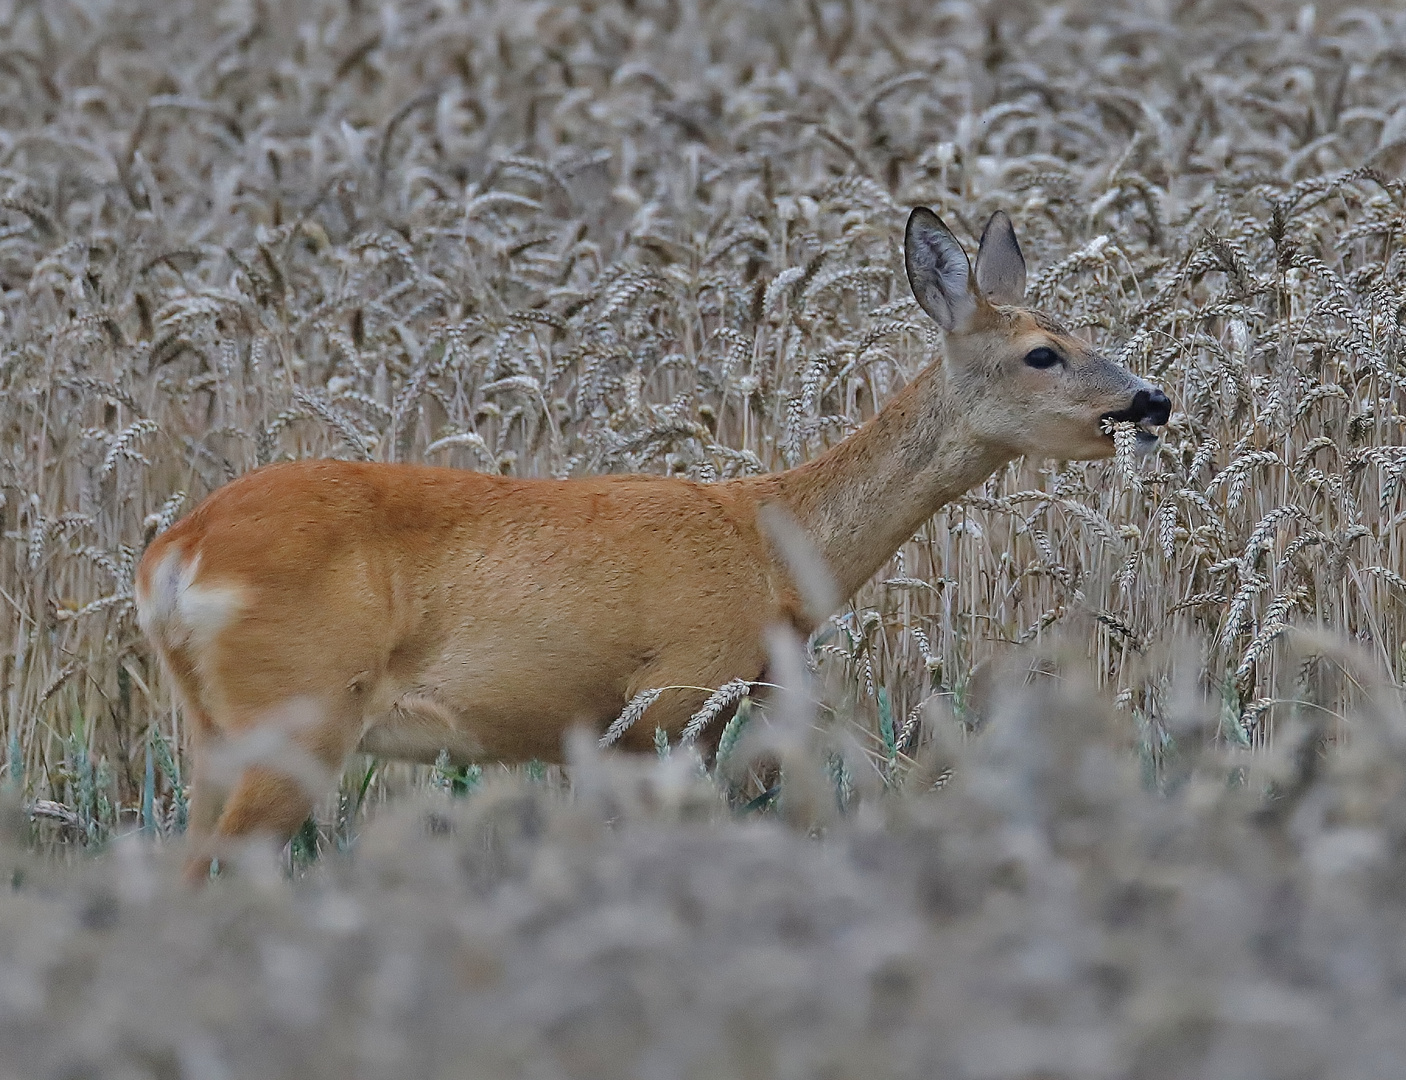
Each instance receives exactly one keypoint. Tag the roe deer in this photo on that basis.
(406, 610)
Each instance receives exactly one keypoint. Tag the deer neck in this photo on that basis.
(861, 499)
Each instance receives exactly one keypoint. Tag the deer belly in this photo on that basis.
(512, 699)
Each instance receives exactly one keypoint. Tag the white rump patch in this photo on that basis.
(176, 610)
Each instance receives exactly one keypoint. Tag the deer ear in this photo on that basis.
(938, 271)
(1000, 267)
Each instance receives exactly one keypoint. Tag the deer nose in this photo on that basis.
(1151, 406)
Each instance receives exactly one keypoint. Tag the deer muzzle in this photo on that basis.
(1149, 408)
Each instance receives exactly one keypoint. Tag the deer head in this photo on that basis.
(1023, 383)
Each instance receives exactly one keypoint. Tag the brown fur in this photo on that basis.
(407, 609)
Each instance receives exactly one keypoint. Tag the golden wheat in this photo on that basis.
(545, 240)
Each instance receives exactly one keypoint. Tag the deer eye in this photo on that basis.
(1042, 357)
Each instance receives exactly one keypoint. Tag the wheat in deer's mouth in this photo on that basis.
(1146, 437)
(1147, 411)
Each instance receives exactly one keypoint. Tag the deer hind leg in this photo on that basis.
(207, 795)
(208, 789)
(264, 778)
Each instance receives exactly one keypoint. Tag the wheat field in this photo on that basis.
(551, 239)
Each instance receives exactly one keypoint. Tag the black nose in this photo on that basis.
(1151, 406)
